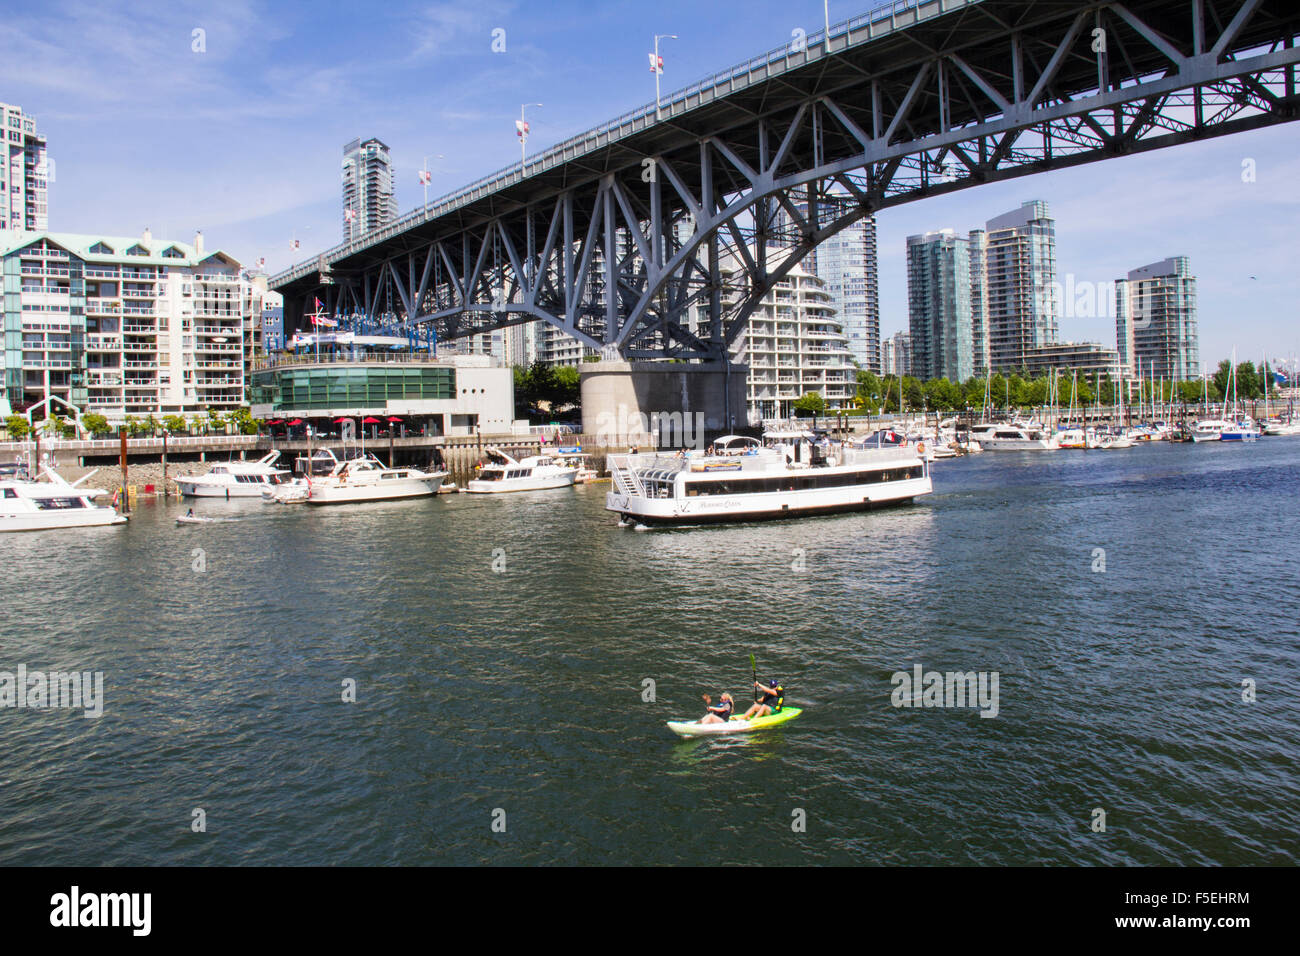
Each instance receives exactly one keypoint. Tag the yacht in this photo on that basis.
(234, 479)
(1243, 430)
(575, 458)
(1075, 438)
(740, 479)
(1209, 429)
(55, 503)
(1013, 437)
(1112, 439)
(503, 473)
(1281, 427)
(368, 479)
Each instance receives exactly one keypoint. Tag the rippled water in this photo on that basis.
(522, 690)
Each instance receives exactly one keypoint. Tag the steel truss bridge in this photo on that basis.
(620, 236)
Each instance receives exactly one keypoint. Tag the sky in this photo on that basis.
(238, 131)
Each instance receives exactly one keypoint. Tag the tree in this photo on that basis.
(17, 427)
(95, 424)
(870, 391)
(1221, 376)
(152, 424)
(174, 423)
(811, 403)
(243, 421)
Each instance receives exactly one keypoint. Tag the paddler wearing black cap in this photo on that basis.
(771, 702)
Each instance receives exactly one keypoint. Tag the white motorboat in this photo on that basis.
(1074, 438)
(1209, 429)
(1112, 440)
(287, 492)
(54, 503)
(368, 479)
(1278, 427)
(535, 473)
(1243, 430)
(574, 457)
(744, 481)
(1013, 437)
(234, 479)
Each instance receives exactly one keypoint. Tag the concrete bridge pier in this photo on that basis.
(663, 404)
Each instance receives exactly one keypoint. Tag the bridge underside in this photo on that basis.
(663, 243)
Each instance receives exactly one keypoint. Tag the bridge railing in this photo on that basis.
(703, 90)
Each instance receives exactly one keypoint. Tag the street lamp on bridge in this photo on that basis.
(657, 66)
(521, 127)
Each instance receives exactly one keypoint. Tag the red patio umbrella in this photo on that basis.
(393, 418)
(340, 421)
(296, 421)
(370, 421)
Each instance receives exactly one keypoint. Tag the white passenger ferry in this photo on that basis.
(741, 480)
(503, 473)
(234, 479)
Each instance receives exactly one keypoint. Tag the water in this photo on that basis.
(521, 691)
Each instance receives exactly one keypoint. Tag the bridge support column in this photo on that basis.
(663, 404)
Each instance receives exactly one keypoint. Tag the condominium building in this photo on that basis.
(1020, 272)
(1155, 320)
(846, 262)
(24, 173)
(939, 306)
(896, 354)
(979, 299)
(1087, 357)
(125, 326)
(794, 345)
(369, 200)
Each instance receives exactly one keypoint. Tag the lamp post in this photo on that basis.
(425, 175)
(523, 135)
(658, 69)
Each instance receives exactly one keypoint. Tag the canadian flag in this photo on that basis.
(425, 177)
(521, 129)
(349, 214)
(293, 244)
(656, 63)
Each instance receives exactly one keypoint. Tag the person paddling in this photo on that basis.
(718, 713)
(771, 702)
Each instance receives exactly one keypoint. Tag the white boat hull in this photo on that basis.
(355, 492)
(95, 517)
(506, 485)
(198, 489)
(755, 507)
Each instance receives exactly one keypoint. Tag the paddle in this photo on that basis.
(753, 669)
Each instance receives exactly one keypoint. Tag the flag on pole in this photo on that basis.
(321, 320)
(656, 63)
(293, 245)
(261, 262)
(349, 214)
(425, 177)
(521, 130)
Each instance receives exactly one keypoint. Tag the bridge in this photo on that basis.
(698, 206)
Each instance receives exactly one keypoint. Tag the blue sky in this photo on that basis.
(244, 140)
